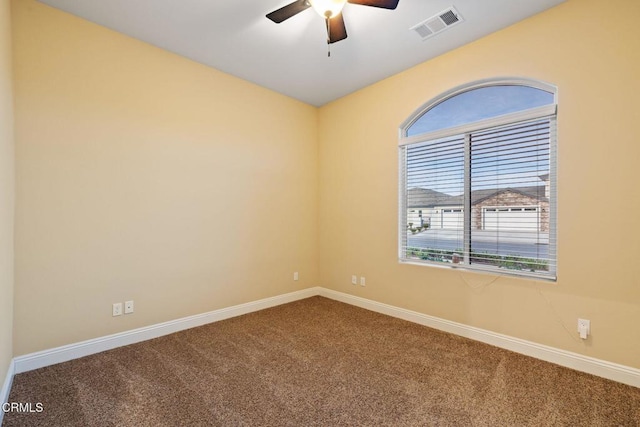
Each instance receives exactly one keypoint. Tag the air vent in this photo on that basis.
(449, 17)
(437, 23)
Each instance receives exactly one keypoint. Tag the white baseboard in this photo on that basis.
(6, 387)
(590, 365)
(65, 353)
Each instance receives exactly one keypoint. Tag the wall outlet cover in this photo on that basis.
(116, 309)
(128, 307)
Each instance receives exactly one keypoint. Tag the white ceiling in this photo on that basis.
(291, 58)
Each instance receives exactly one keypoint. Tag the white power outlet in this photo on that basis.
(363, 281)
(354, 280)
(117, 309)
(295, 276)
(128, 307)
(584, 328)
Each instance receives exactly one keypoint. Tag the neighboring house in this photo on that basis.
(513, 208)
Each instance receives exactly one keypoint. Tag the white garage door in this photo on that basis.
(512, 218)
(452, 218)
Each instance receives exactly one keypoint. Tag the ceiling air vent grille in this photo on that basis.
(437, 23)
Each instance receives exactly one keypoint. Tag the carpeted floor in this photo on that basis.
(317, 362)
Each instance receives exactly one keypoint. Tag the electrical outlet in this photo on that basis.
(584, 328)
(128, 307)
(362, 281)
(295, 275)
(117, 309)
(354, 280)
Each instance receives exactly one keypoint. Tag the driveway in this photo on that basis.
(518, 243)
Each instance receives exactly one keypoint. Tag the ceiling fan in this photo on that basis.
(330, 10)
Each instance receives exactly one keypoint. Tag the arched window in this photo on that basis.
(479, 161)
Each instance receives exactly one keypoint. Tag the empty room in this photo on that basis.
(319, 212)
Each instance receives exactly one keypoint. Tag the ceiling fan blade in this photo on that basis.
(385, 4)
(337, 30)
(288, 11)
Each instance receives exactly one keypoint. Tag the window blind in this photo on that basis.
(483, 199)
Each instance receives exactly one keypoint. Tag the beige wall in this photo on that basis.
(142, 175)
(591, 50)
(6, 191)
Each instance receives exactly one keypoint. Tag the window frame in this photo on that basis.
(548, 111)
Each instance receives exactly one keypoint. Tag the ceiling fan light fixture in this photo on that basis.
(328, 8)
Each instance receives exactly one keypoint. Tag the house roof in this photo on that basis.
(427, 198)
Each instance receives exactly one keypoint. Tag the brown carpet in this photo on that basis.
(317, 362)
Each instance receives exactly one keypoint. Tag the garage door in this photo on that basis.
(512, 218)
(452, 218)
